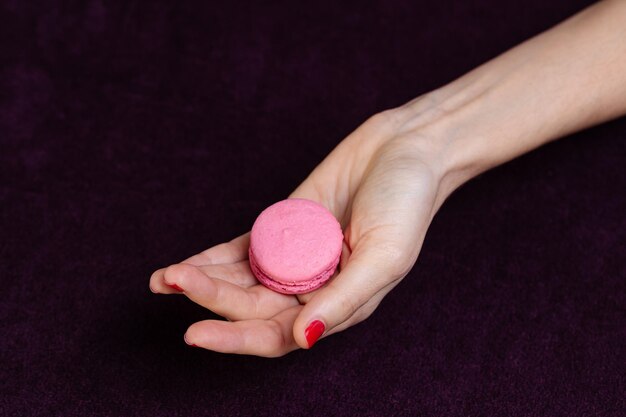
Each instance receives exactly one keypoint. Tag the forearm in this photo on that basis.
(568, 78)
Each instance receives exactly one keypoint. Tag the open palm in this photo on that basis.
(383, 189)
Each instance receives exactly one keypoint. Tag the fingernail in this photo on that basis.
(187, 341)
(152, 289)
(176, 287)
(313, 332)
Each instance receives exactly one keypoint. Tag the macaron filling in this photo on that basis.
(291, 287)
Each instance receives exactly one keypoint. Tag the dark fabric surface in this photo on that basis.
(134, 134)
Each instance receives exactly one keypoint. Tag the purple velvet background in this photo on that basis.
(134, 134)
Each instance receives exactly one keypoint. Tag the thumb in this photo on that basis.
(368, 271)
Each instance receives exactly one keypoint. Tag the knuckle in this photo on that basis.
(255, 304)
(383, 119)
(156, 274)
(361, 315)
(208, 258)
(387, 117)
(365, 311)
(180, 271)
(380, 117)
(279, 344)
(380, 120)
(395, 260)
(347, 303)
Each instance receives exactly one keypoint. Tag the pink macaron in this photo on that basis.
(295, 246)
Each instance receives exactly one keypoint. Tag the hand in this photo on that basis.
(387, 179)
(384, 184)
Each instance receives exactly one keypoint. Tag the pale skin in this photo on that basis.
(387, 179)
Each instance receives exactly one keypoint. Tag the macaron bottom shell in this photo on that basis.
(291, 287)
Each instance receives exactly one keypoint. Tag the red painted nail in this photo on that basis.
(176, 287)
(187, 341)
(313, 332)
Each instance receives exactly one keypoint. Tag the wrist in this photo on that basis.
(444, 128)
(475, 123)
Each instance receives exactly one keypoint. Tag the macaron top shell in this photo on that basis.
(295, 239)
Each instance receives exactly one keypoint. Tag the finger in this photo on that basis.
(369, 269)
(225, 253)
(269, 338)
(226, 299)
(237, 273)
(388, 220)
(365, 310)
(158, 285)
